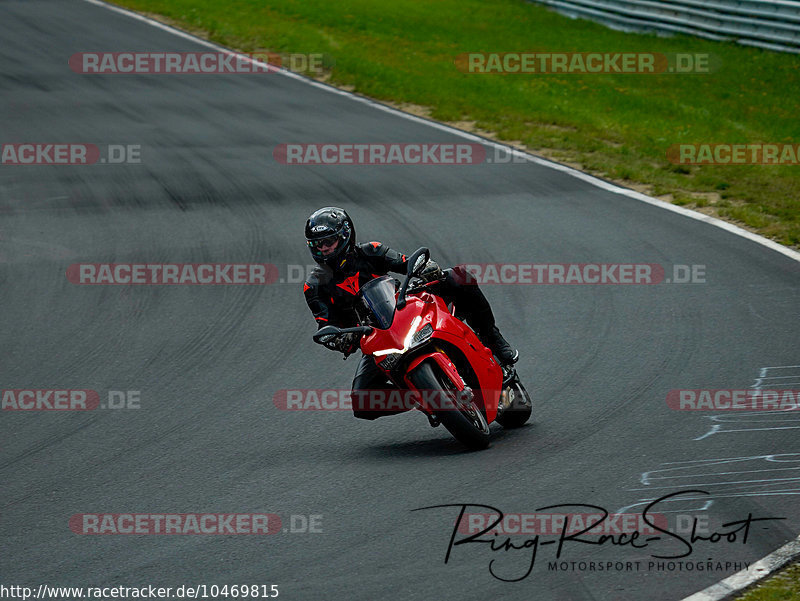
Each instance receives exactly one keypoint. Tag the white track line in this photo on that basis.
(595, 181)
(763, 567)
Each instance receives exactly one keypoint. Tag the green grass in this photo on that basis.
(616, 125)
(783, 586)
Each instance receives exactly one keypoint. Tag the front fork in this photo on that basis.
(463, 393)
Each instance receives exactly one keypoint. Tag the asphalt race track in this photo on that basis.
(207, 360)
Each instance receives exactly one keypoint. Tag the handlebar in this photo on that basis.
(417, 286)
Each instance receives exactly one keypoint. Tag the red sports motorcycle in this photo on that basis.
(414, 337)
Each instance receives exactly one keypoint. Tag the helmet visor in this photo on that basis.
(325, 246)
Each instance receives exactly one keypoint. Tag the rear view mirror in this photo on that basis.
(417, 261)
(326, 334)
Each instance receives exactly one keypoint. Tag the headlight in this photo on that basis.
(413, 338)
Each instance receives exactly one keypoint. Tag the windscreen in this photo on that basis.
(378, 297)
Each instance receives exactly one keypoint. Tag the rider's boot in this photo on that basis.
(506, 355)
(487, 331)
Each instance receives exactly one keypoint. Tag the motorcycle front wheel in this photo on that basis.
(465, 421)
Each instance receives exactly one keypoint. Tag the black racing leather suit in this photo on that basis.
(331, 296)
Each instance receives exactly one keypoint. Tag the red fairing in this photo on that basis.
(423, 308)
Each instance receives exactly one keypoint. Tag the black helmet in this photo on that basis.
(327, 226)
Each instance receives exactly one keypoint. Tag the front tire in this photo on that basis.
(466, 422)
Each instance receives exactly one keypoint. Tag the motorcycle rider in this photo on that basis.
(344, 266)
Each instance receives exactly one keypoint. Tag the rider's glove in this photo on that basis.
(431, 272)
(346, 343)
